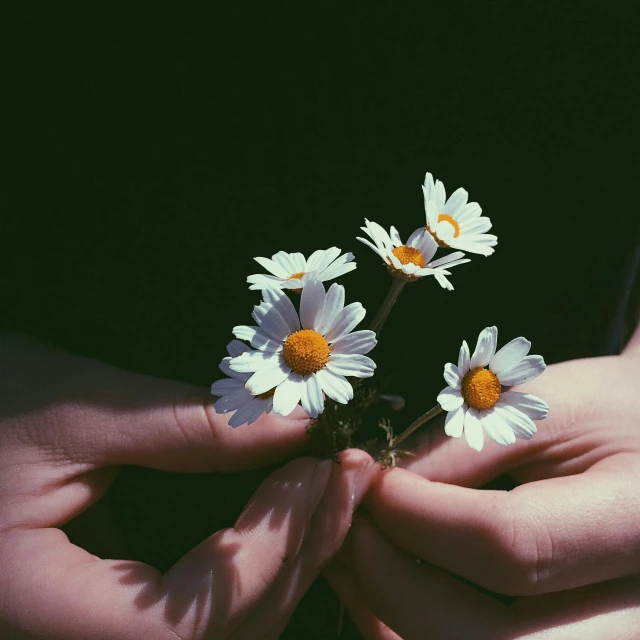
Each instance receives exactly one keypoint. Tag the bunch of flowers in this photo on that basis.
(309, 355)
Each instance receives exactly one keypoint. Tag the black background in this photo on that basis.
(151, 156)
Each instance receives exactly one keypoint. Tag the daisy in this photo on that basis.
(478, 398)
(233, 394)
(456, 223)
(291, 270)
(410, 261)
(300, 359)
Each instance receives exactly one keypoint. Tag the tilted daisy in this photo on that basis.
(476, 398)
(455, 222)
(292, 270)
(233, 394)
(410, 261)
(302, 358)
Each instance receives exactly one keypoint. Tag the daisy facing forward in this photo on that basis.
(300, 359)
(476, 400)
(455, 222)
(291, 270)
(410, 261)
(233, 394)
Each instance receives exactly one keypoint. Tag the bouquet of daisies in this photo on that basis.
(313, 355)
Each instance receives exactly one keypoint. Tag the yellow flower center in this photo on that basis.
(409, 254)
(306, 351)
(481, 388)
(445, 217)
(295, 276)
(267, 394)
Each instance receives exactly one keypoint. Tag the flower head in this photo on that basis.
(233, 394)
(307, 356)
(293, 270)
(476, 398)
(410, 261)
(455, 222)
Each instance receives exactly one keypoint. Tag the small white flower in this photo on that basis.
(292, 270)
(233, 394)
(410, 261)
(304, 357)
(454, 222)
(475, 398)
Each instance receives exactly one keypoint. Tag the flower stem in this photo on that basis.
(394, 293)
(425, 417)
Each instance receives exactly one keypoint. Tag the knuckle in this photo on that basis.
(521, 552)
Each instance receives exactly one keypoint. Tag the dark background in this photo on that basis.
(151, 156)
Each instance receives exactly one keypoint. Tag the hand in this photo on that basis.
(67, 423)
(566, 542)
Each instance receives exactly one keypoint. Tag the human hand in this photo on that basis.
(565, 543)
(68, 423)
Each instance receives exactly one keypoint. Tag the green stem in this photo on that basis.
(394, 293)
(425, 417)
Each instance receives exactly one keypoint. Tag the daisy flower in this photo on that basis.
(233, 394)
(476, 398)
(291, 270)
(410, 261)
(455, 222)
(300, 359)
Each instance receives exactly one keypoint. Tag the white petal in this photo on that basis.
(473, 430)
(257, 337)
(225, 367)
(451, 375)
(333, 305)
(440, 195)
(426, 245)
(311, 304)
(445, 260)
(470, 246)
(454, 422)
(253, 361)
(395, 237)
(521, 425)
(450, 399)
(442, 280)
(260, 281)
(379, 250)
(286, 261)
(235, 348)
(471, 211)
(280, 300)
(345, 321)
(509, 356)
(320, 260)
(339, 268)
(527, 369)
(378, 233)
(268, 378)
(532, 406)
(432, 213)
(271, 322)
(456, 202)
(288, 394)
(335, 386)
(272, 267)
(232, 401)
(312, 399)
(464, 359)
(416, 236)
(478, 225)
(429, 185)
(356, 342)
(496, 428)
(244, 415)
(226, 386)
(351, 364)
(485, 348)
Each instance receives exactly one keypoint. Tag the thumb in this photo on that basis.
(102, 415)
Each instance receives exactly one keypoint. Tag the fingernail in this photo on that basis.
(318, 485)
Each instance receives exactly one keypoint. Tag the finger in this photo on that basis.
(97, 414)
(544, 536)
(56, 590)
(343, 583)
(606, 611)
(420, 601)
(349, 481)
(575, 392)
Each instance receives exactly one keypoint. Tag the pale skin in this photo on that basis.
(67, 424)
(565, 543)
